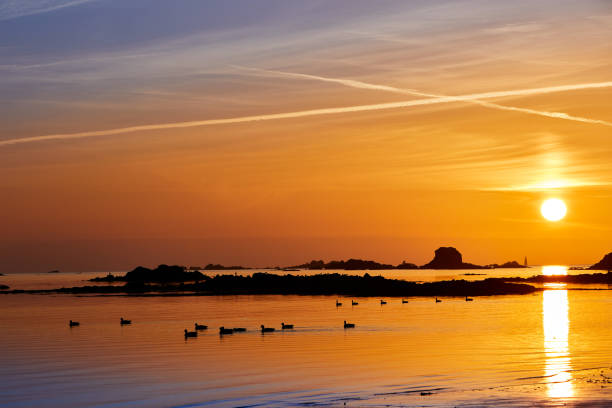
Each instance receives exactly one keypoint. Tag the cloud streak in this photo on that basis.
(474, 98)
(19, 8)
(331, 111)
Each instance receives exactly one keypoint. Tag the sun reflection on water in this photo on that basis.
(555, 311)
(549, 270)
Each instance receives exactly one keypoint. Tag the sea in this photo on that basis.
(549, 348)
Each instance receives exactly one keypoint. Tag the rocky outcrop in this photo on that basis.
(449, 258)
(605, 264)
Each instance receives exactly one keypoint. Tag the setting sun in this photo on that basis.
(553, 209)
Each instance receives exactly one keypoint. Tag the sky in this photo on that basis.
(278, 131)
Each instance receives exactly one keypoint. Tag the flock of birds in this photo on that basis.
(226, 330)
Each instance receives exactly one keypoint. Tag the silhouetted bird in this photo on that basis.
(286, 326)
(382, 302)
(190, 334)
(349, 325)
(338, 303)
(354, 303)
(266, 329)
(239, 329)
(223, 330)
(200, 326)
(469, 299)
(124, 322)
(72, 324)
(438, 300)
(404, 301)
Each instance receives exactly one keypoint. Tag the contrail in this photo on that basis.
(316, 112)
(474, 98)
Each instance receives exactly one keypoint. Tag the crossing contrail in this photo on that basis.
(332, 111)
(474, 98)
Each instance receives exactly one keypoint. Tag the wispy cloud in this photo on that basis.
(324, 111)
(10, 9)
(475, 98)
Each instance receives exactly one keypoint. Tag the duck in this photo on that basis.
(286, 326)
(223, 330)
(349, 325)
(354, 303)
(469, 299)
(200, 326)
(438, 300)
(73, 323)
(239, 329)
(382, 302)
(338, 303)
(266, 329)
(124, 322)
(190, 334)
(404, 301)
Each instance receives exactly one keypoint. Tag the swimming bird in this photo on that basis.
(190, 334)
(338, 303)
(469, 299)
(124, 322)
(239, 329)
(354, 303)
(438, 300)
(266, 329)
(72, 324)
(404, 301)
(382, 302)
(349, 325)
(223, 330)
(286, 326)
(200, 326)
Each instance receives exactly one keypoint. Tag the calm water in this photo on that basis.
(550, 348)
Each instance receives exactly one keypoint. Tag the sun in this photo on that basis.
(553, 209)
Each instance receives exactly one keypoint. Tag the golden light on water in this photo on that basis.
(549, 270)
(555, 314)
(553, 209)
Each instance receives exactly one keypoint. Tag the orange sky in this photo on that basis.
(379, 182)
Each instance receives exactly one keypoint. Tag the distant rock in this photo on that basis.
(406, 265)
(511, 264)
(349, 265)
(218, 267)
(54, 271)
(162, 274)
(605, 264)
(4, 287)
(449, 258)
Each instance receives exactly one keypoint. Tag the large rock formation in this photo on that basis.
(605, 264)
(449, 258)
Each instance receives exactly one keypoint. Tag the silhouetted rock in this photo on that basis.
(350, 265)
(449, 258)
(217, 267)
(511, 264)
(163, 273)
(406, 265)
(583, 278)
(4, 287)
(605, 264)
(322, 284)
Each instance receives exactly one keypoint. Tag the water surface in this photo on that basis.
(549, 348)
